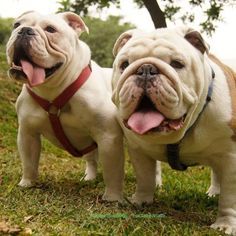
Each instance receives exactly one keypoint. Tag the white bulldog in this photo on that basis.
(45, 52)
(177, 104)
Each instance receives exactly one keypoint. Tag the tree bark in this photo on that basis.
(156, 13)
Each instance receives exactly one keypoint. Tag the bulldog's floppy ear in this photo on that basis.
(196, 39)
(123, 39)
(75, 22)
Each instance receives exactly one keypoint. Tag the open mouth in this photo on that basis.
(23, 67)
(147, 118)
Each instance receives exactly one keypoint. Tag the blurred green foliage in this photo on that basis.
(5, 29)
(102, 36)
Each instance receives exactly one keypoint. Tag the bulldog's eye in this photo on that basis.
(50, 29)
(177, 64)
(124, 65)
(17, 24)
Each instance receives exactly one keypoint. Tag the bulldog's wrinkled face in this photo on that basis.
(160, 80)
(40, 45)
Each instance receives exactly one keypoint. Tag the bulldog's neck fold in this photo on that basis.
(172, 150)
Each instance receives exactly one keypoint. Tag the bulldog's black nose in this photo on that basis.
(147, 70)
(26, 31)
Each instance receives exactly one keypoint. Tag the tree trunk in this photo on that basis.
(156, 13)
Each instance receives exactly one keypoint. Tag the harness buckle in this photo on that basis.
(53, 110)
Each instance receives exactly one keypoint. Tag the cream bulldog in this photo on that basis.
(177, 104)
(45, 53)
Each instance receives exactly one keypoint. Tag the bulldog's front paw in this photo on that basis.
(26, 183)
(140, 199)
(226, 224)
(213, 191)
(112, 197)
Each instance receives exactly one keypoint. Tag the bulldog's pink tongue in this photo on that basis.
(35, 74)
(143, 121)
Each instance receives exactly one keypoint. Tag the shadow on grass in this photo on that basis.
(185, 206)
(65, 199)
(188, 204)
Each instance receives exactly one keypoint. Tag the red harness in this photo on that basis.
(53, 110)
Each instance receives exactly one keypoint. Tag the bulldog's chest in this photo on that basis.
(75, 126)
(194, 149)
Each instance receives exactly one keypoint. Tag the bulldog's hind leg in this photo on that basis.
(226, 219)
(145, 170)
(214, 189)
(91, 165)
(158, 174)
(29, 146)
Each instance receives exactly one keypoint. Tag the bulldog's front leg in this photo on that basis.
(146, 171)
(111, 155)
(226, 219)
(29, 146)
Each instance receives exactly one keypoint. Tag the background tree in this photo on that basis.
(65, 5)
(160, 11)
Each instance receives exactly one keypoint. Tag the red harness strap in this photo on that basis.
(53, 109)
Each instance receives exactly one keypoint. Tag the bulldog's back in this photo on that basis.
(105, 75)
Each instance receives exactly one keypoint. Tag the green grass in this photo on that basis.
(63, 204)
